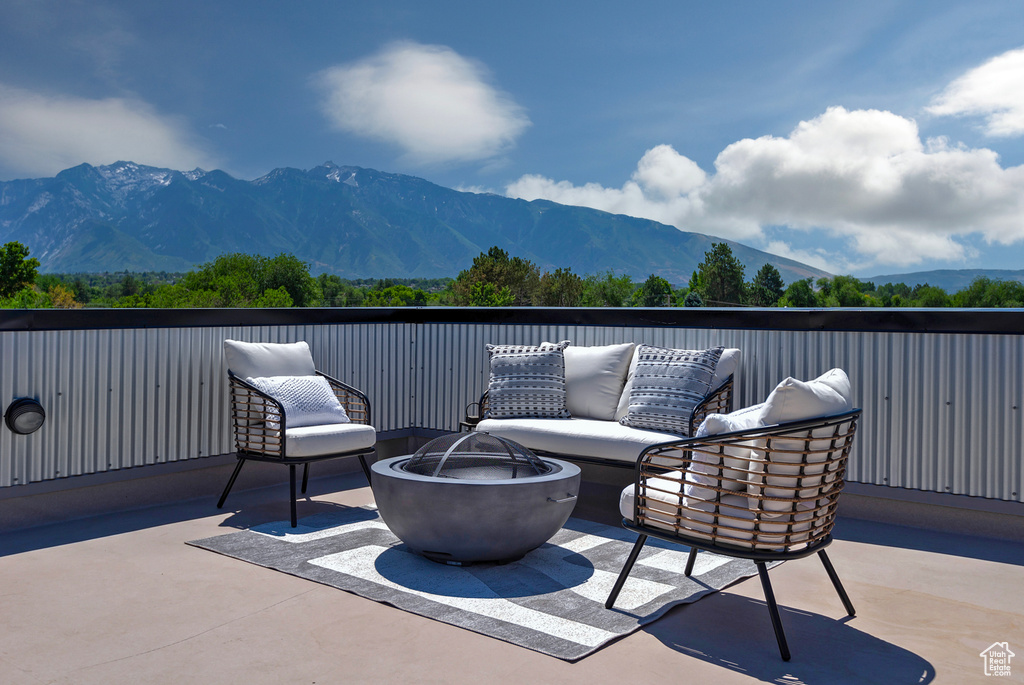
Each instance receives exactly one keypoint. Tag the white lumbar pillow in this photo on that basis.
(594, 377)
(795, 400)
(259, 360)
(736, 458)
(306, 400)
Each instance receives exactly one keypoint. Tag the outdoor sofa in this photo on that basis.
(601, 404)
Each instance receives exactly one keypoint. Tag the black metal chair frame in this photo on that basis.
(813, 540)
(256, 442)
(718, 401)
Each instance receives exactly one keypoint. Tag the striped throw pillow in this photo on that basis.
(527, 381)
(668, 384)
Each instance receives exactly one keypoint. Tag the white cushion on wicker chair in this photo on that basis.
(795, 400)
(315, 441)
(735, 519)
(705, 470)
(247, 360)
(580, 437)
(594, 378)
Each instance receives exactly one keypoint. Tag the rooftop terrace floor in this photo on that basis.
(119, 598)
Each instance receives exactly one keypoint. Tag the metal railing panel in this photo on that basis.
(942, 411)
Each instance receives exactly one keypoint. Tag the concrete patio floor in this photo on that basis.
(119, 598)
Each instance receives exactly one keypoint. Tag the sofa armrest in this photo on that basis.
(471, 419)
(718, 401)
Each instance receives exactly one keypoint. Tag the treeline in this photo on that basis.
(495, 279)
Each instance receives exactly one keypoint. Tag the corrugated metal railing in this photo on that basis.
(942, 410)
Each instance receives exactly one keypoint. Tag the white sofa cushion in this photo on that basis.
(579, 437)
(594, 378)
(667, 385)
(527, 380)
(795, 400)
(253, 360)
(315, 441)
(306, 400)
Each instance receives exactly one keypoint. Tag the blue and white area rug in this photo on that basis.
(551, 600)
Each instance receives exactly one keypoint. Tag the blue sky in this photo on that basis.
(863, 138)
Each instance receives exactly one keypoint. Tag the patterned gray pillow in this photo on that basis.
(668, 384)
(527, 381)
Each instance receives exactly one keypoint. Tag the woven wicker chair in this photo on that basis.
(256, 440)
(766, 494)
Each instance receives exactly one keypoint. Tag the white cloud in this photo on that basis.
(435, 104)
(41, 135)
(995, 90)
(863, 178)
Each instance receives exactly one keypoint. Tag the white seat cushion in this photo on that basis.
(580, 437)
(594, 377)
(315, 441)
(734, 518)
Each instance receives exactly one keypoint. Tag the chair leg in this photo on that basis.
(834, 577)
(305, 477)
(690, 561)
(231, 482)
(291, 482)
(625, 571)
(773, 610)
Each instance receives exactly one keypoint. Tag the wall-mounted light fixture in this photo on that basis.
(24, 416)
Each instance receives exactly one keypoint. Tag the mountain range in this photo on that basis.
(950, 280)
(350, 221)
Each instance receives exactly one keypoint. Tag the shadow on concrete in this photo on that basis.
(735, 633)
(245, 509)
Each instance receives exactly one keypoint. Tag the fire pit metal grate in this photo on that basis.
(474, 456)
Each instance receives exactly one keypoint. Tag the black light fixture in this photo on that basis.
(24, 415)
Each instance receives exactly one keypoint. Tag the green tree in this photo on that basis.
(841, 291)
(693, 299)
(291, 273)
(799, 294)
(720, 277)
(521, 277)
(655, 292)
(337, 293)
(931, 296)
(488, 295)
(561, 288)
(396, 295)
(985, 292)
(767, 287)
(274, 297)
(17, 269)
(607, 290)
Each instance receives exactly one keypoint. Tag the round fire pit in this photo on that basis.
(471, 497)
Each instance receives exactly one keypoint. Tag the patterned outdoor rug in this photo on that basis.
(551, 600)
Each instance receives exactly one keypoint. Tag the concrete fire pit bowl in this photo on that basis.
(474, 498)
